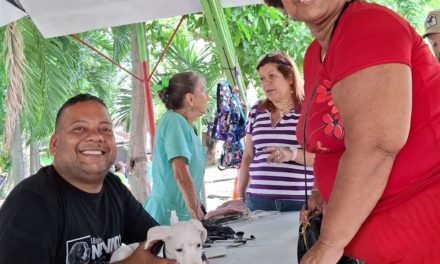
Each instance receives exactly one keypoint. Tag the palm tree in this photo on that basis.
(55, 69)
(138, 162)
(15, 61)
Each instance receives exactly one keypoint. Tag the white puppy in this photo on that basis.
(182, 241)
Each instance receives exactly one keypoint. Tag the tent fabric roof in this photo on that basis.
(9, 13)
(63, 17)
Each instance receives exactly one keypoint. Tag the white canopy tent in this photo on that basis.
(9, 13)
(64, 17)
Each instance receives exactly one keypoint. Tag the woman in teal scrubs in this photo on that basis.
(178, 155)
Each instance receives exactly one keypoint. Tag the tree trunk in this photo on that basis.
(137, 156)
(34, 157)
(17, 171)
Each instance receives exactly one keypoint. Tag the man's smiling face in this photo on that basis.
(83, 145)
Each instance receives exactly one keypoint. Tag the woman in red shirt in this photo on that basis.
(371, 115)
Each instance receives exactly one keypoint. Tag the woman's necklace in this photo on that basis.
(284, 109)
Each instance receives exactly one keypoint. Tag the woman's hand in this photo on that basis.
(321, 253)
(200, 213)
(197, 213)
(315, 203)
(280, 155)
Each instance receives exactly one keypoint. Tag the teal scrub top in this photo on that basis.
(174, 138)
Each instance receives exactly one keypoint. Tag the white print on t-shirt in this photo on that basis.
(84, 249)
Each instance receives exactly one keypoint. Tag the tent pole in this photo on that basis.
(140, 32)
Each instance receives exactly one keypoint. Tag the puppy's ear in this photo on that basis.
(157, 233)
(200, 228)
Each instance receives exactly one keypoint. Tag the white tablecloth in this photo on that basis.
(276, 241)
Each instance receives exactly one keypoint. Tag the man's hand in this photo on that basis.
(145, 256)
(321, 253)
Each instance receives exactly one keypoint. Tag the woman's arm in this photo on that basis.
(310, 157)
(375, 105)
(186, 186)
(248, 156)
(140, 255)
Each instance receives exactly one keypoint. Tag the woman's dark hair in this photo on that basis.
(274, 3)
(288, 69)
(180, 84)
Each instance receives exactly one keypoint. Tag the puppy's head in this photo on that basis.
(183, 241)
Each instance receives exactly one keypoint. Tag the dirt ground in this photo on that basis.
(219, 185)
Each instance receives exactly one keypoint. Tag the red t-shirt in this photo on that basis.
(369, 34)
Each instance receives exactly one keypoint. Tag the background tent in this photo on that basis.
(64, 17)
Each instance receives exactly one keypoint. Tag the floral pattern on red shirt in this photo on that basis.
(332, 121)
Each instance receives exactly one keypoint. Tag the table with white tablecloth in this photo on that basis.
(275, 241)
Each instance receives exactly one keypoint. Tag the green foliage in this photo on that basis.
(258, 29)
(121, 43)
(121, 111)
(271, 31)
(60, 67)
(5, 169)
(5, 158)
(186, 53)
(3, 84)
(5, 163)
(46, 85)
(56, 69)
(414, 12)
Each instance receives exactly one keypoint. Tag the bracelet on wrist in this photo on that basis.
(294, 153)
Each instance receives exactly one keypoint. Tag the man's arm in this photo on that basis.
(136, 225)
(145, 256)
(137, 220)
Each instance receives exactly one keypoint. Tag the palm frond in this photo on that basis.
(121, 42)
(121, 112)
(185, 54)
(47, 81)
(58, 68)
(15, 62)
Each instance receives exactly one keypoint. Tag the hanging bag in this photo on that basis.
(229, 126)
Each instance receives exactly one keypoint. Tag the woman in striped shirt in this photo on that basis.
(272, 173)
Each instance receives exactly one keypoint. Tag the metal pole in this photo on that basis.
(140, 33)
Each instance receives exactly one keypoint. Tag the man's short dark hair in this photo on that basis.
(77, 99)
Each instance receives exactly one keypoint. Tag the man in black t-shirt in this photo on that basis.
(75, 211)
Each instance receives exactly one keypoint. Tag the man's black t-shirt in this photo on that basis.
(47, 220)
